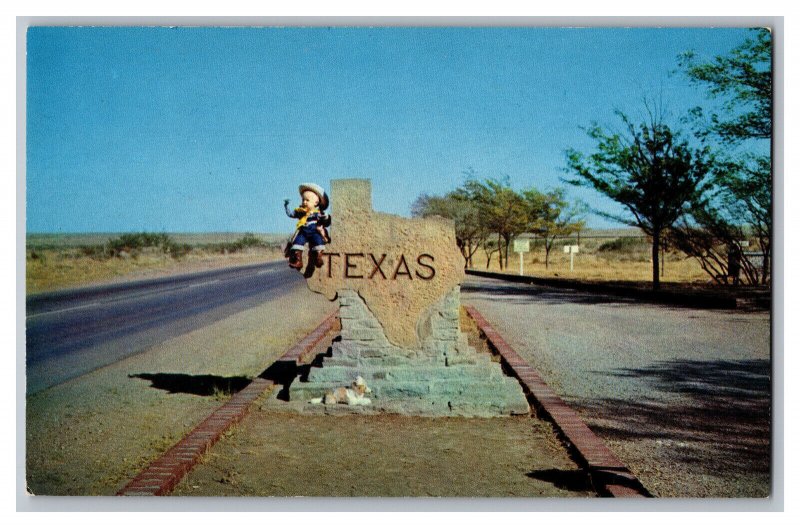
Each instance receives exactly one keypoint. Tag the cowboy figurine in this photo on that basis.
(311, 225)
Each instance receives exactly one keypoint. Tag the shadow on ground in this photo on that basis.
(200, 385)
(723, 407)
(524, 293)
(566, 479)
(282, 373)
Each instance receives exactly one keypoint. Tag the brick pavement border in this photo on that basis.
(162, 475)
(608, 473)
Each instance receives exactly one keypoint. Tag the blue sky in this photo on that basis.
(208, 129)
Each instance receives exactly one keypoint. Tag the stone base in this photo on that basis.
(477, 389)
(446, 377)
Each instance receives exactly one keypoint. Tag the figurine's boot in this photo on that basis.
(316, 258)
(296, 259)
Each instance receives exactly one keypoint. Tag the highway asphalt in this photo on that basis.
(69, 333)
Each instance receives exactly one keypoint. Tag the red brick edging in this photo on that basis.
(608, 473)
(162, 475)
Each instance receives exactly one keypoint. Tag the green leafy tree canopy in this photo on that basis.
(651, 171)
(743, 78)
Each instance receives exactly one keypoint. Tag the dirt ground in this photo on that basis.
(283, 454)
(288, 455)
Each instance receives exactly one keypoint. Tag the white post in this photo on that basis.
(521, 247)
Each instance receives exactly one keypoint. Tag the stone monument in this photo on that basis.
(397, 281)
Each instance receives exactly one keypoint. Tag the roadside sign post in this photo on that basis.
(521, 246)
(571, 250)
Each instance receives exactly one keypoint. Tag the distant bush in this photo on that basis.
(138, 241)
(134, 243)
(176, 250)
(623, 245)
(95, 252)
(249, 240)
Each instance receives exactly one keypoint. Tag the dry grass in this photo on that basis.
(591, 264)
(53, 269)
(56, 261)
(75, 240)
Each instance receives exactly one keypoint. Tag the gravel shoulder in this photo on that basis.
(682, 396)
(90, 435)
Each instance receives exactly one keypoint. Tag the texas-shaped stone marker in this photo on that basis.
(398, 266)
(397, 284)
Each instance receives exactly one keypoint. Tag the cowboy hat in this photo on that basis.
(319, 191)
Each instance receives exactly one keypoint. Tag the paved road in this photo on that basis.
(681, 395)
(74, 332)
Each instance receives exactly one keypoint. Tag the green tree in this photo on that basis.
(551, 217)
(712, 240)
(457, 206)
(740, 201)
(502, 211)
(651, 171)
(490, 248)
(743, 79)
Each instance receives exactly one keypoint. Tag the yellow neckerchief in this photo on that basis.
(303, 220)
